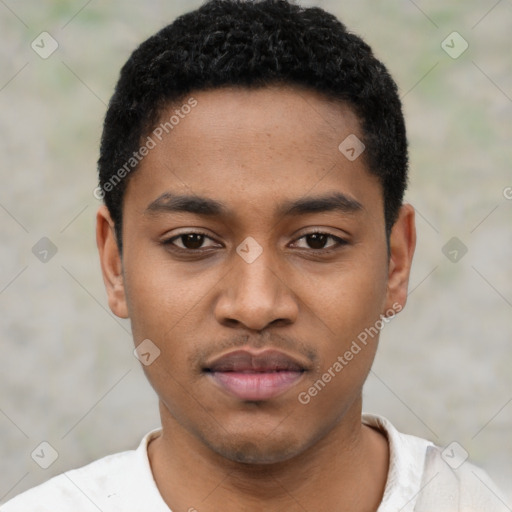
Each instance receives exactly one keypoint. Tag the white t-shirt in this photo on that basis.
(123, 482)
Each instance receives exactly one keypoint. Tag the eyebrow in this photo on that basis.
(169, 203)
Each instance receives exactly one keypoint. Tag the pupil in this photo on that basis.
(317, 240)
(192, 241)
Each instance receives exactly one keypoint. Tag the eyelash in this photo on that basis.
(340, 242)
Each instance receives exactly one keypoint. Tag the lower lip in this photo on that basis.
(256, 386)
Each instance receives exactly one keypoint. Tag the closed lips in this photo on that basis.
(247, 362)
(255, 377)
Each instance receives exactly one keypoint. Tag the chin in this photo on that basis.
(267, 451)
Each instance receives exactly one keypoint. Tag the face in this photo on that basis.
(254, 257)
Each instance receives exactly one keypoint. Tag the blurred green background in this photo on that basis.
(67, 371)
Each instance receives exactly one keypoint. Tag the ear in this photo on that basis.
(402, 243)
(111, 263)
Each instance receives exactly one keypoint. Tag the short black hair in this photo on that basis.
(253, 44)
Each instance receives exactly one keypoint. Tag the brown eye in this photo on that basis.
(192, 240)
(317, 241)
(188, 241)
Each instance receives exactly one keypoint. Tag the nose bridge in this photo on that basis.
(255, 273)
(254, 292)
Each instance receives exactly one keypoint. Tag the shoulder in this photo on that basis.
(424, 477)
(107, 484)
(457, 484)
(76, 488)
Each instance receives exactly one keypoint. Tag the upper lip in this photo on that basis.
(250, 361)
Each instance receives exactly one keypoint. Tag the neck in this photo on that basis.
(344, 470)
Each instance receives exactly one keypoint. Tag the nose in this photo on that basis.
(255, 295)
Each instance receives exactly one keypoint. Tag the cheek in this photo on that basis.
(348, 298)
(349, 313)
(159, 298)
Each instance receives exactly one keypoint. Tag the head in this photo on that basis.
(252, 45)
(253, 165)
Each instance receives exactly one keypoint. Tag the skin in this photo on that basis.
(253, 150)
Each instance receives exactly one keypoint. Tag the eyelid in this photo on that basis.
(339, 240)
(169, 240)
(319, 230)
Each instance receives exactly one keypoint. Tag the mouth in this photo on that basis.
(255, 376)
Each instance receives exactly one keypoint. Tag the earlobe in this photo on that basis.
(111, 263)
(402, 243)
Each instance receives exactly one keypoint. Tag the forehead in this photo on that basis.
(281, 116)
(246, 146)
